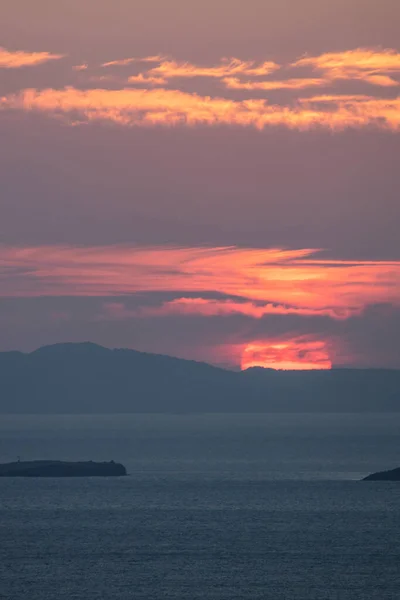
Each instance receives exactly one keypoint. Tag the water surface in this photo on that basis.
(216, 507)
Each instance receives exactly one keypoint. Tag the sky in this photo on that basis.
(216, 180)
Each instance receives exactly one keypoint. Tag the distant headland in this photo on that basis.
(392, 475)
(59, 468)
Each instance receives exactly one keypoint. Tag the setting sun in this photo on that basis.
(298, 354)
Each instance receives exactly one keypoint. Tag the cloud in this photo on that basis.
(369, 65)
(366, 340)
(339, 99)
(145, 105)
(372, 66)
(174, 107)
(170, 69)
(210, 307)
(271, 281)
(146, 79)
(119, 63)
(288, 353)
(234, 83)
(17, 59)
(129, 61)
(82, 67)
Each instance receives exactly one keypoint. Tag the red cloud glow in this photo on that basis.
(302, 353)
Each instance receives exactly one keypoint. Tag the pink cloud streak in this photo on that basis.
(285, 281)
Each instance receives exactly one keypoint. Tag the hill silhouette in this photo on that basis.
(87, 378)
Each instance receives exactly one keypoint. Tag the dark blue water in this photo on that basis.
(216, 507)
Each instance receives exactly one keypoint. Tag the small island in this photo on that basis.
(59, 468)
(392, 475)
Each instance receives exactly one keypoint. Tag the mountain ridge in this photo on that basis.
(89, 378)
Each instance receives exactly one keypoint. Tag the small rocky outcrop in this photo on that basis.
(59, 468)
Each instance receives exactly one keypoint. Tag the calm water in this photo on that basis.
(216, 507)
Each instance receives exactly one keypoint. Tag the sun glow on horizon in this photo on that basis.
(298, 354)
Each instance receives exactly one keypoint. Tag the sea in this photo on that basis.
(216, 507)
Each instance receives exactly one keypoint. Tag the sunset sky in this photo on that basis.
(216, 180)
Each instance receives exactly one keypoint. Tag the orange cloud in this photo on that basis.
(173, 107)
(17, 59)
(234, 83)
(366, 64)
(370, 65)
(146, 79)
(285, 281)
(381, 80)
(301, 353)
(227, 68)
(340, 99)
(170, 69)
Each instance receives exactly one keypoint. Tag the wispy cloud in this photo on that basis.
(269, 280)
(174, 107)
(17, 59)
(372, 66)
(227, 68)
(234, 83)
(151, 101)
(119, 63)
(172, 69)
(207, 307)
(146, 79)
(129, 61)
